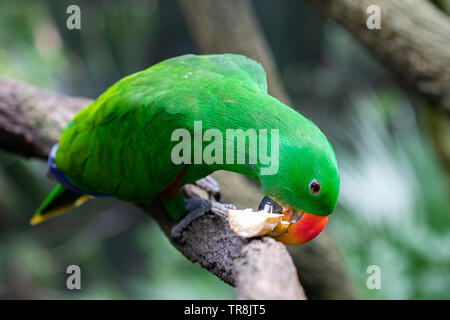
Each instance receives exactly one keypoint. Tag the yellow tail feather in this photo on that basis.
(40, 217)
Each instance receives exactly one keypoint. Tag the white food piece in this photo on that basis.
(248, 223)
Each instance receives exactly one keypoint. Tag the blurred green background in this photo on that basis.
(393, 210)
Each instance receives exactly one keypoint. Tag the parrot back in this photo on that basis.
(121, 143)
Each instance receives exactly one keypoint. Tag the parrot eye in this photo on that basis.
(314, 187)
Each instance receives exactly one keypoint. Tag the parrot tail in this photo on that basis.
(59, 201)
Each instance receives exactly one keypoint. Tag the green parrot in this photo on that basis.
(127, 144)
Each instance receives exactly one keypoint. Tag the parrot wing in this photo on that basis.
(121, 143)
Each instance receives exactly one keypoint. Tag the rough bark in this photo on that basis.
(251, 278)
(413, 41)
(31, 121)
(232, 26)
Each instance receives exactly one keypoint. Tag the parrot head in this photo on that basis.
(306, 187)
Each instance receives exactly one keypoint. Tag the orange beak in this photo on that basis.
(305, 229)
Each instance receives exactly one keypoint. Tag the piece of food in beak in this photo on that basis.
(248, 223)
(281, 228)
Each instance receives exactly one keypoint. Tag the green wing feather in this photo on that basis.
(120, 144)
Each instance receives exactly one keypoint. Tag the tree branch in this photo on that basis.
(31, 121)
(413, 41)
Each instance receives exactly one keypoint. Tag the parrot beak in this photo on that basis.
(306, 228)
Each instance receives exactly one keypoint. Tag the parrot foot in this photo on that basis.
(211, 185)
(195, 208)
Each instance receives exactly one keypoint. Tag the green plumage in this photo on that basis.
(121, 143)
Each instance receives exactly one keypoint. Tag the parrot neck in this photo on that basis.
(252, 129)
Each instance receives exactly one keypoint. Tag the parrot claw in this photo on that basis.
(221, 209)
(211, 185)
(195, 208)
